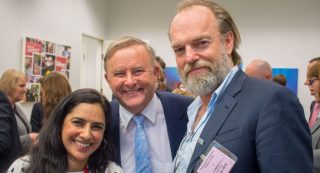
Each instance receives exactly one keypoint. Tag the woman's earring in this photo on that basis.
(104, 144)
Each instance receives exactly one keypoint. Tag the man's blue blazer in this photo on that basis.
(263, 124)
(175, 110)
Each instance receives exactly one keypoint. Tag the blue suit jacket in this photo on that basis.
(263, 124)
(175, 111)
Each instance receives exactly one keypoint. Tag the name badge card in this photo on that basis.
(217, 160)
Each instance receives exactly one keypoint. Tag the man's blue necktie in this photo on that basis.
(142, 156)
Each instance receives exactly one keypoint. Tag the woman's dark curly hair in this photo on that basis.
(50, 155)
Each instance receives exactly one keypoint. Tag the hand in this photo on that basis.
(34, 137)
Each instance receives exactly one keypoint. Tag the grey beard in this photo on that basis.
(208, 82)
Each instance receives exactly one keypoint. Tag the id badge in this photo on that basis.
(216, 159)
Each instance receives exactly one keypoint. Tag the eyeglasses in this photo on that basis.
(311, 81)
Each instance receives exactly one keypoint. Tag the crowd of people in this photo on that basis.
(244, 120)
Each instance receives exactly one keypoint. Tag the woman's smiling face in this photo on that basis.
(82, 132)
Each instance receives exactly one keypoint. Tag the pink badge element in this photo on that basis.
(216, 162)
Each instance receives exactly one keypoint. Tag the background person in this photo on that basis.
(280, 79)
(75, 139)
(13, 83)
(315, 127)
(260, 122)
(161, 83)
(10, 145)
(260, 69)
(54, 87)
(313, 76)
(182, 91)
(131, 73)
(312, 84)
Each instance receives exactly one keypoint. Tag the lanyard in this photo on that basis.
(86, 169)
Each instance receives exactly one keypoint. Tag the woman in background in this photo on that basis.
(314, 74)
(74, 139)
(54, 87)
(13, 83)
(14, 125)
(10, 145)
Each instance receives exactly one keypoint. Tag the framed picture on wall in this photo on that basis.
(40, 58)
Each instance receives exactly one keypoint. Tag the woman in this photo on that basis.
(54, 87)
(314, 121)
(13, 83)
(74, 139)
(10, 146)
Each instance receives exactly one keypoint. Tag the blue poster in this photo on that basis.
(291, 75)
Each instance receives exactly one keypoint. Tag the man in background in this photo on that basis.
(260, 69)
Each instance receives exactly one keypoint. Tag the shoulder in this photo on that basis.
(37, 109)
(172, 98)
(2, 95)
(4, 99)
(114, 104)
(266, 88)
(19, 165)
(5, 106)
(37, 105)
(113, 168)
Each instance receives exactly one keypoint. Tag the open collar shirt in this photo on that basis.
(189, 142)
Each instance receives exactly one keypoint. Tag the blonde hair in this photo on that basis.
(9, 79)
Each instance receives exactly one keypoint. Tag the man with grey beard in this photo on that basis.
(238, 123)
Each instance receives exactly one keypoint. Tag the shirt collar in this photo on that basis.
(195, 105)
(149, 112)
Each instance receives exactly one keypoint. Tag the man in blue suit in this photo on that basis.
(257, 126)
(131, 74)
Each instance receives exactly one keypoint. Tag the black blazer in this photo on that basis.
(10, 145)
(175, 111)
(36, 117)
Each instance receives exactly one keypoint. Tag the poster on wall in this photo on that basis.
(291, 75)
(40, 58)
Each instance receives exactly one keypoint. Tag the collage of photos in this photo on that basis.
(42, 57)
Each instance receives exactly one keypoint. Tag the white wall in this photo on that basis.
(10, 34)
(286, 33)
(60, 21)
(283, 32)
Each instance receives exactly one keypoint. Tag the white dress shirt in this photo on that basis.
(156, 129)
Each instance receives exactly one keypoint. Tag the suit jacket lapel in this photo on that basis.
(115, 130)
(172, 116)
(223, 108)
